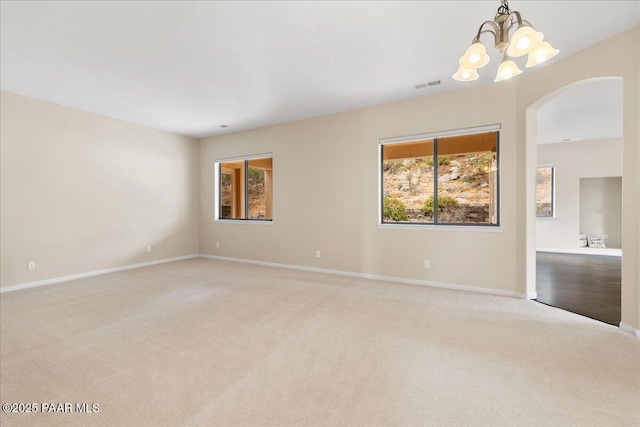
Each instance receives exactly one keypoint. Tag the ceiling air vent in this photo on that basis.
(428, 84)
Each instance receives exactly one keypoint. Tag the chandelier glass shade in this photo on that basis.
(466, 74)
(475, 57)
(525, 40)
(540, 54)
(507, 69)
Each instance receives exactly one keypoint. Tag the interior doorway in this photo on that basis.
(579, 200)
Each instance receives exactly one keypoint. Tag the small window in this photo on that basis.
(245, 188)
(545, 191)
(441, 179)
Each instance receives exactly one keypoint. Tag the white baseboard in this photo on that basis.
(92, 273)
(629, 329)
(466, 288)
(584, 251)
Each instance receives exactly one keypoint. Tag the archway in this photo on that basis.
(534, 223)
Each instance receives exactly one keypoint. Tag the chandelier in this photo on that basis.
(525, 40)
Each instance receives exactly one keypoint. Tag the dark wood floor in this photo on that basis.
(584, 284)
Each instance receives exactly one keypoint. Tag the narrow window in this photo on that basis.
(245, 188)
(545, 191)
(447, 179)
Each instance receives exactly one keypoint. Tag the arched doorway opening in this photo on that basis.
(574, 138)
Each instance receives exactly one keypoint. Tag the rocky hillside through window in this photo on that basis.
(464, 191)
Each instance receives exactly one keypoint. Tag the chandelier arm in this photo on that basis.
(525, 22)
(518, 20)
(486, 32)
(495, 30)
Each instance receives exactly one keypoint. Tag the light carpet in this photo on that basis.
(205, 342)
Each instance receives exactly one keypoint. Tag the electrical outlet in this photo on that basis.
(31, 265)
(427, 263)
(148, 248)
(317, 254)
(217, 244)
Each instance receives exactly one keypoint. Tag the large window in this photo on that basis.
(447, 178)
(545, 191)
(245, 188)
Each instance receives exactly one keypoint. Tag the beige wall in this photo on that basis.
(615, 57)
(325, 194)
(573, 161)
(82, 192)
(601, 208)
(634, 259)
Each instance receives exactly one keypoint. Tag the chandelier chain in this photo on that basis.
(504, 8)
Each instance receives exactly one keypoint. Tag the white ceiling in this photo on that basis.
(187, 67)
(584, 112)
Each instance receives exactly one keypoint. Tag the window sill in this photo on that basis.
(547, 218)
(471, 228)
(243, 221)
